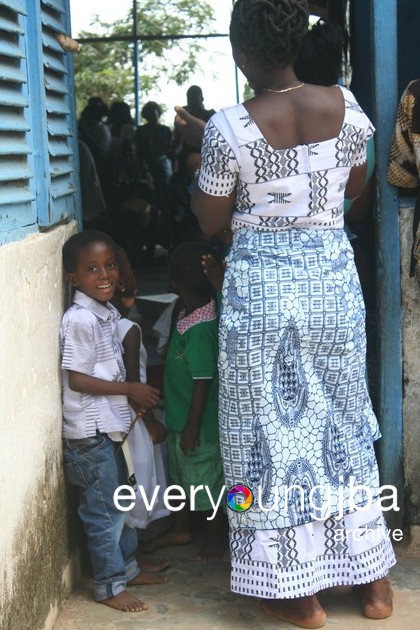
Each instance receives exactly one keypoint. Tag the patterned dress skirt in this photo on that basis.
(296, 423)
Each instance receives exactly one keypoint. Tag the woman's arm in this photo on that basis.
(213, 213)
(356, 181)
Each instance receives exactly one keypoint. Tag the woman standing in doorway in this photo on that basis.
(296, 423)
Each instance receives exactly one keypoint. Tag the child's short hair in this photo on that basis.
(185, 268)
(76, 243)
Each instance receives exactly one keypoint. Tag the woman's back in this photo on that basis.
(290, 161)
(306, 115)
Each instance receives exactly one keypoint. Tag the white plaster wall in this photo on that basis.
(411, 368)
(32, 297)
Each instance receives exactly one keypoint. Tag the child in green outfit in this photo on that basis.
(191, 402)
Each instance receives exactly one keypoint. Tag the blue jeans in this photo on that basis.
(92, 466)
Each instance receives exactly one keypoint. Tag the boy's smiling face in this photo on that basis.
(96, 272)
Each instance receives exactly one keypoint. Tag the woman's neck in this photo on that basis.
(277, 79)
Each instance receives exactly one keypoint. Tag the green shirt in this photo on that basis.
(192, 354)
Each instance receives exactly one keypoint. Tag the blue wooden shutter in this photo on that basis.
(37, 143)
(57, 85)
(17, 193)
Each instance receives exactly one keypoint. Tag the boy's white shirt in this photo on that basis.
(90, 344)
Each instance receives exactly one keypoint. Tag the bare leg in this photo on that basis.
(148, 566)
(376, 599)
(305, 612)
(178, 534)
(216, 538)
(147, 578)
(125, 602)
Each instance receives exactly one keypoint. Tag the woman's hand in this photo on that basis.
(189, 127)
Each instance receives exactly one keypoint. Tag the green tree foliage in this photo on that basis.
(106, 69)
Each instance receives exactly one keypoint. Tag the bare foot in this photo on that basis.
(213, 549)
(167, 539)
(305, 612)
(125, 602)
(148, 566)
(376, 599)
(147, 578)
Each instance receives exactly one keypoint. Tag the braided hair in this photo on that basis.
(270, 31)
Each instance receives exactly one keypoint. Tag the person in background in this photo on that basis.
(404, 160)
(92, 198)
(147, 432)
(95, 133)
(195, 104)
(296, 422)
(122, 126)
(190, 391)
(96, 415)
(154, 146)
(319, 60)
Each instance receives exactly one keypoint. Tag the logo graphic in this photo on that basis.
(239, 498)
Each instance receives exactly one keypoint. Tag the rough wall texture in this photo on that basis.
(411, 371)
(35, 542)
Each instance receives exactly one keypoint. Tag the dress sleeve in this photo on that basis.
(219, 167)
(359, 129)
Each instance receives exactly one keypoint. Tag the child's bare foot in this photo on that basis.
(125, 602)
(147, 578)
(305, 612)
(167, 539)
(376, 599)
(148, 566)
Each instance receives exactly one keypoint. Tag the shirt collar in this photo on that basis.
(102, 311)
(205, 313)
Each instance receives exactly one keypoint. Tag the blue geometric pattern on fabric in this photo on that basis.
(289, 383)
(243, 198)
(293, 404)
(302, 501)
(219, 154)
(259, 474)
(241, 543)
(286, 545)
(270, 164)
(335, 455)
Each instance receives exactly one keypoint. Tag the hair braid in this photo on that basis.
(270, 31)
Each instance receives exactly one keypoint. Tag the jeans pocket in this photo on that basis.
(84, 445)
(82, 458)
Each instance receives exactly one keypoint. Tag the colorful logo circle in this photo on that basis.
(239, 498)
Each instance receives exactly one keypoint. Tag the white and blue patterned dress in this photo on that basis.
(296, 422)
